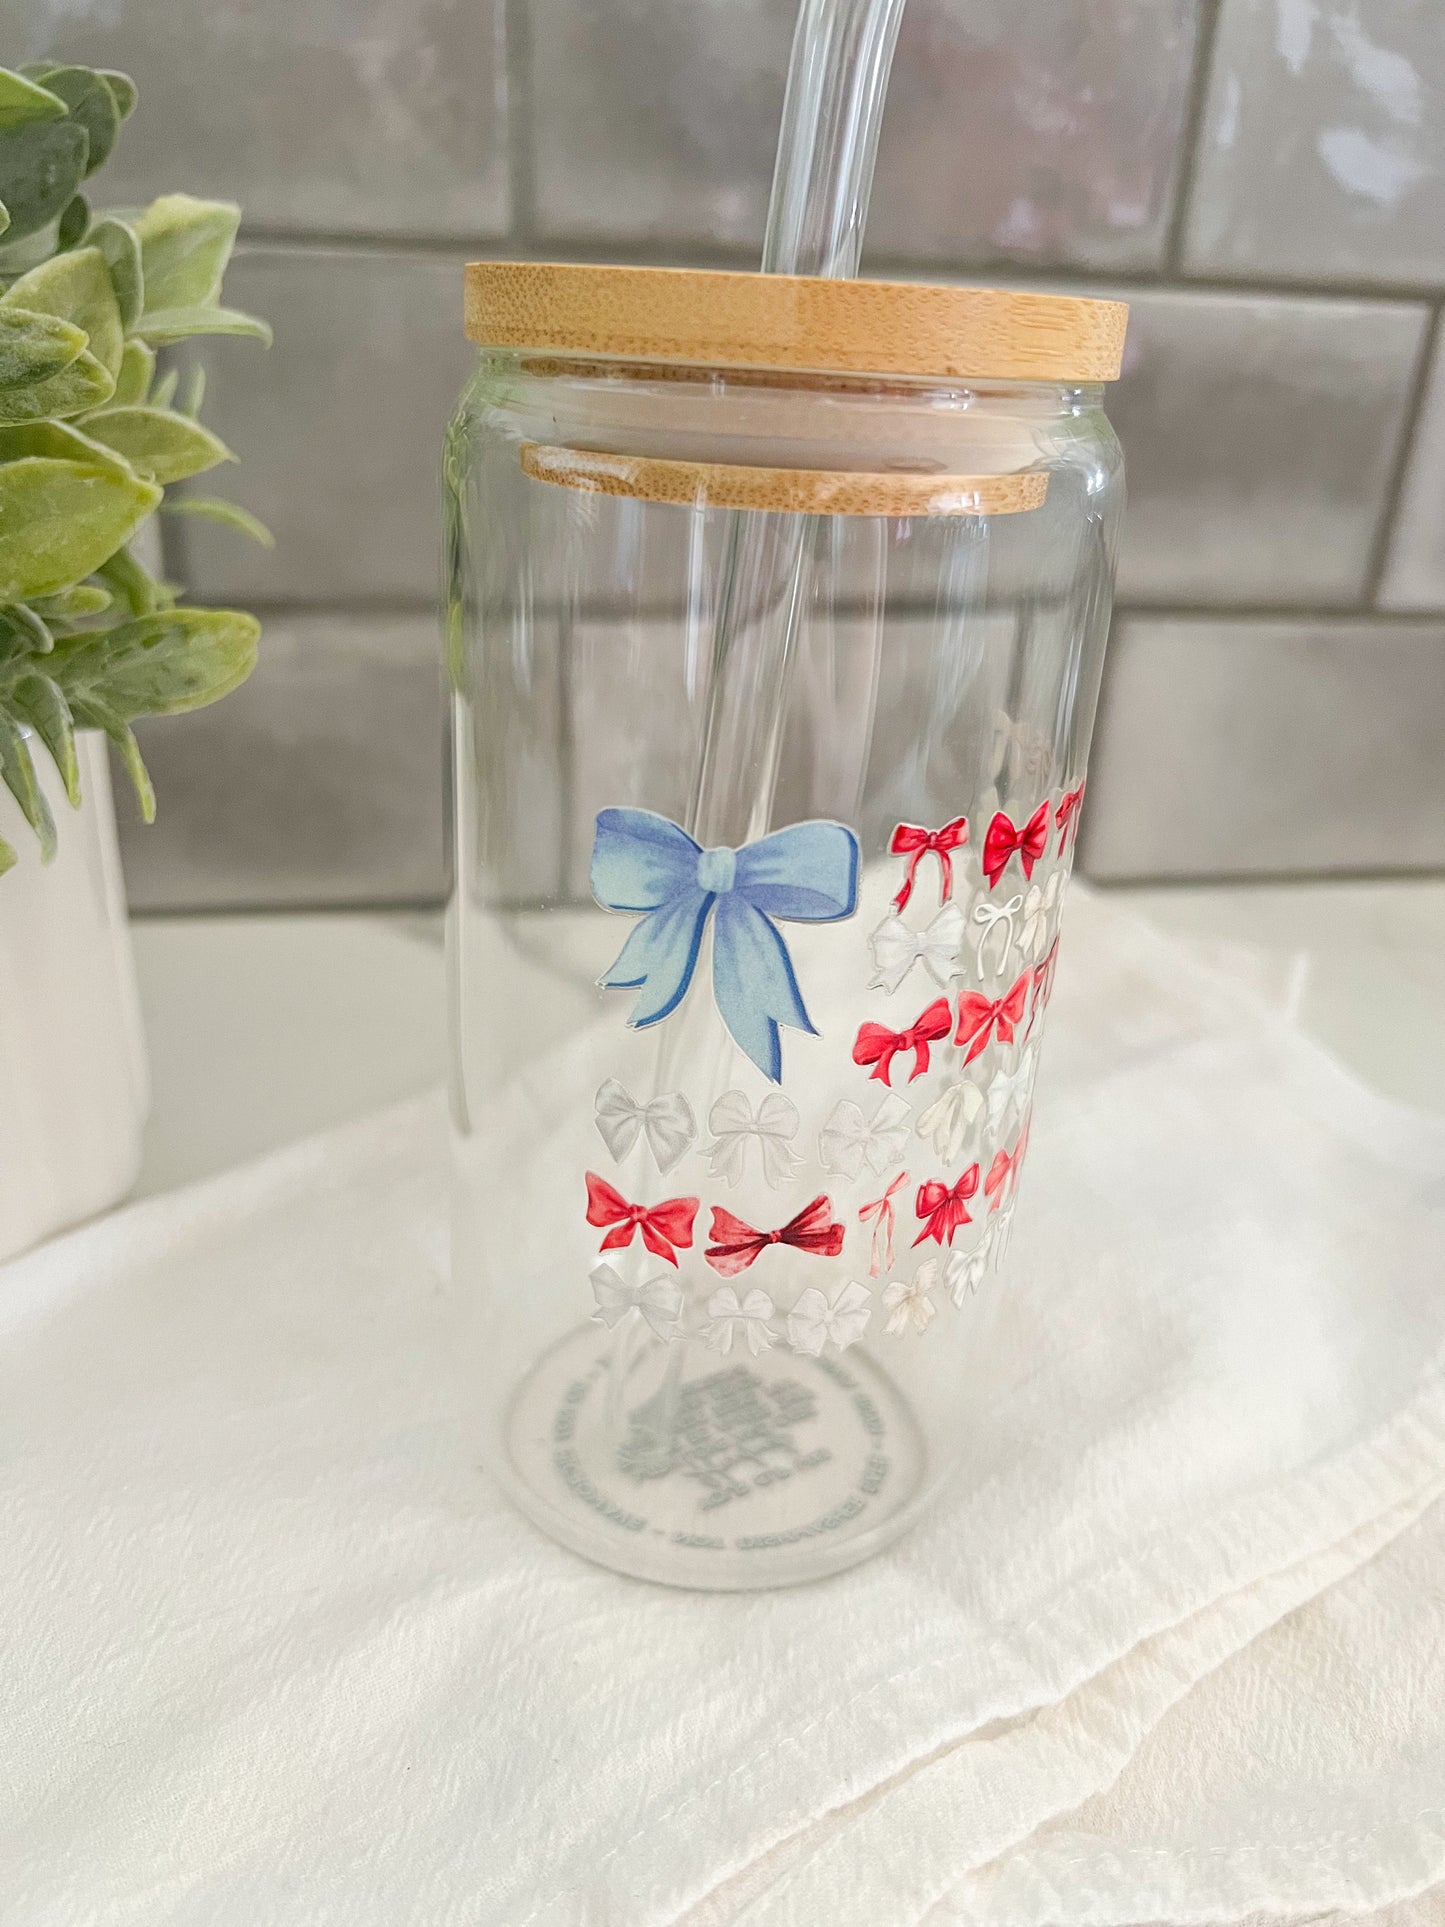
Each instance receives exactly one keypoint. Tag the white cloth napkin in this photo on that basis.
(276, 1652)
(1309, 1770)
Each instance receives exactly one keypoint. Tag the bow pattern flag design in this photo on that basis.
(666, 1122)
(896, 949)
(666, 1228)
(943, 1208)
(875, 1044)
(734, 1123)
(1028, 842)
(1003, 1173)
(645, 865)
(656, 1301)
(980, 1017)
(736, 1245)
(1066, 816)
(915, 842)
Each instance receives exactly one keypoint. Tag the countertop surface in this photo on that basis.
(264, 1028)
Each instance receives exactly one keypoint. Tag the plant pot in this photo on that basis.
(73, 1083)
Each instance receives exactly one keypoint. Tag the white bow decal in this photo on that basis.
(733, 1122)
(657, 1300)
(848, 1141)
(668, 1122)
(732, 1317)
(896, 949)
(816, 1318)
(949, 1120)
(1038, 911)
(992, 917)
(963, 1271)
(1010, 1087)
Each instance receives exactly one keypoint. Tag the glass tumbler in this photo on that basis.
(775, 617)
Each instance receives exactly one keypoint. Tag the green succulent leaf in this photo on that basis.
(177, 324)
(157, 442)
(185, 245)
(9, 856)
(63, 441)
(81, 386)
(18, 770)
(60, 520)
(42, 163)
(92, 105)
(39, 701)
(77, 288)
(123, 90)
(33, 346)
(91, 713)
(22, 101)
(23, 632)
(118, 242)
(123, 736)
(137, 367)
(73, 605)
(164, 392)
(212, 508)
(129, 583)
(89, 440)
(73, 223)
(158, 665)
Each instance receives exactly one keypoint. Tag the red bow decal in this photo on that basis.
(1043, 975)
(1004, 841)
(880, 1212)
(914, 842)
(979, 1018)
(664, 1227)
(1066, 816)
(1003, 1173)
(943, 1210)
(878, 1046)
(735, 1245)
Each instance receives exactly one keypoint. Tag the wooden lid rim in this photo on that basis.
(795, 491)
(736, 320)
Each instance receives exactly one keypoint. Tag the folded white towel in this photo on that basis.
(1307, 1772)
(277, 1653)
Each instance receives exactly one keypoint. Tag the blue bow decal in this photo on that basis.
(641, 862)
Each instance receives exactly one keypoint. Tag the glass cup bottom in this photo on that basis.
(741, 1472)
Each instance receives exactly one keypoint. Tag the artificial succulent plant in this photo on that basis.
(91, 436)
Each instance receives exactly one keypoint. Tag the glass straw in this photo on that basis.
(822, 180)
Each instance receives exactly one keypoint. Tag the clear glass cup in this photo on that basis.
(773, 694)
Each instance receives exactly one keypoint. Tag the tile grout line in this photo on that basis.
(1132, 880)
(1398, 478)
(288, 907)
(1191, 135)
(643, 252)
(1324, 615)
(1262, 879)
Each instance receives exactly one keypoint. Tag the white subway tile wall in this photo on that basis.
(1323, 143)
(333, 116)
(318, 781)
(1251, 748)
(1415, 570)
(1265, 182)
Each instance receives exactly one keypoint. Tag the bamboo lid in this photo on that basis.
(793, 321)
(788, 491)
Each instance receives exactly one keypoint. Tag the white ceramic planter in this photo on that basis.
(73, 1084)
